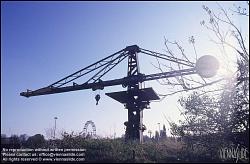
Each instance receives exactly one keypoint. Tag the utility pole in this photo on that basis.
(150, 132)
(55, 128)
(159, 130)
(114, 131)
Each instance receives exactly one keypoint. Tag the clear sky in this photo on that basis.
(42, 42)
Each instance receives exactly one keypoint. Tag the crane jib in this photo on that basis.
(101, 84)
(104, 65)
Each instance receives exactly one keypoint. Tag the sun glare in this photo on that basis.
(228, 60)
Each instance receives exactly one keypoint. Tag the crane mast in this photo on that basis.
(134, 128)
(135, 98)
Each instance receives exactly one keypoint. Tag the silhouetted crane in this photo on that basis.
(135, 98)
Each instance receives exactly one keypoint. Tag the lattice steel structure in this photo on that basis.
(135, 98)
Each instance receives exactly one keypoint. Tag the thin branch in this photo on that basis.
(241, 40)
(215, 90)
(238, 11)
(207, 84)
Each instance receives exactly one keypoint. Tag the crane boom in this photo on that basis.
(101, 84)
(103, 66)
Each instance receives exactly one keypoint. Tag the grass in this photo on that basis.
(117, 150)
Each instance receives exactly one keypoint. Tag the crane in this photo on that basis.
(135, 98)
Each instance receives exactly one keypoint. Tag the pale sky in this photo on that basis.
(43, 42)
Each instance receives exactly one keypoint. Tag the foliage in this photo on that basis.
(163, 134)
(36, 141)
(117, 150)
(225, 117)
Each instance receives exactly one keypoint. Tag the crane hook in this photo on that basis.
(97, 98)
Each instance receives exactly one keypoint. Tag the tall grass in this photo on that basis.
(117, 150)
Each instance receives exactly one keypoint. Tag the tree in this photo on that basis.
(36, 141)
(225, 33)
(3, 138)
(23, 138)
(14, 141)
(225, 116)
(234, 97)
(163, 134)
(157, 136)
(10, 142)
(233, 105)
(207, 119)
